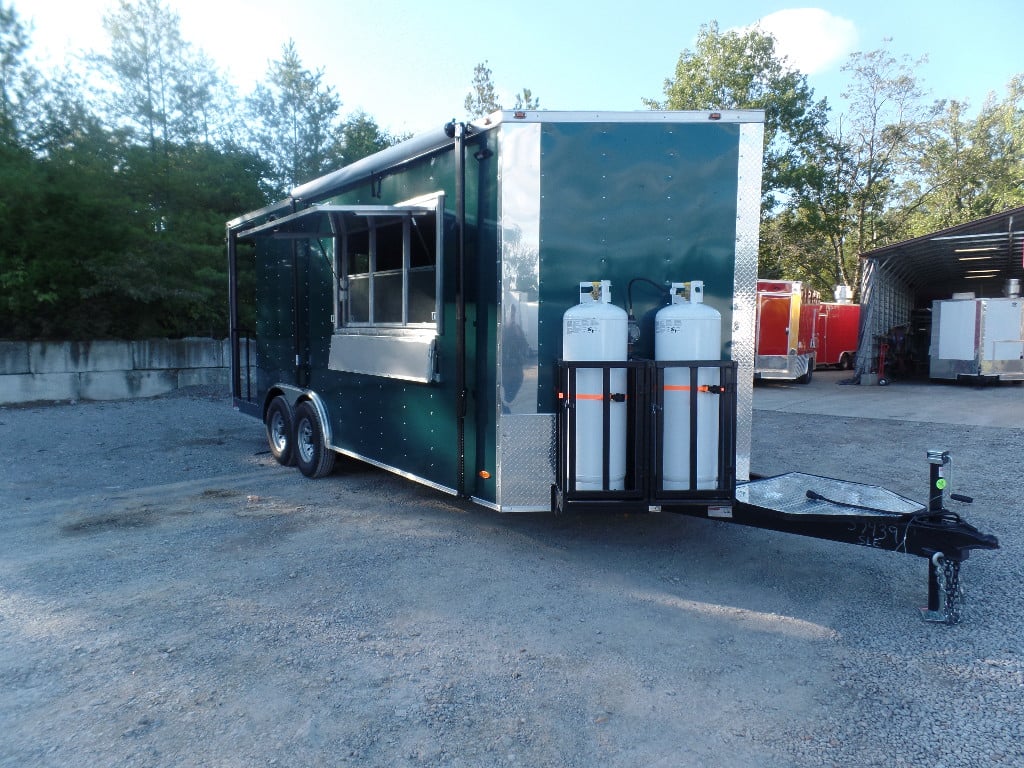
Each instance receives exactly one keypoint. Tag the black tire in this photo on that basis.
(845, 362)
(806, 378)
(312, 455)
(280, 435)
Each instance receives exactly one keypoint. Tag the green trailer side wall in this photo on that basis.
(621, 201)
(407, 425)
(275, 313)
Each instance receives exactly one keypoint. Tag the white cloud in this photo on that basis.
(810, 38)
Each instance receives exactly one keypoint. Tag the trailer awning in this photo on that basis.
(319, 221)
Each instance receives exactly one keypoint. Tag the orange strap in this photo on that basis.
(681, 388)
(561, 396)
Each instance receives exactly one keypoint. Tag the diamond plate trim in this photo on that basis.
(526, 462)
(744, 302)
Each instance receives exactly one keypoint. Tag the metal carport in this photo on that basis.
(900, 281)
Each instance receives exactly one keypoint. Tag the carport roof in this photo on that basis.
(978, 256)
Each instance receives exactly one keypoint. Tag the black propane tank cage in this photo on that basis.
(644, 487)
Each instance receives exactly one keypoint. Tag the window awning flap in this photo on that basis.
(320, 221)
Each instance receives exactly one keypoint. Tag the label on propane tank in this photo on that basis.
(674, 325)
(582, 325)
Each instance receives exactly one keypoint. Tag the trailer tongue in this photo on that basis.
(871, 516)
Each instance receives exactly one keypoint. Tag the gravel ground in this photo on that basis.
(169, 596)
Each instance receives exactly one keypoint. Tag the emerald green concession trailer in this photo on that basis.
(541, 311)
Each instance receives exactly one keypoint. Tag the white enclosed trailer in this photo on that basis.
(978, 339)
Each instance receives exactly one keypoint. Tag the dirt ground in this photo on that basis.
(170, 596)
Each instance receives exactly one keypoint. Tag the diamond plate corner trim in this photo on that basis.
(748, 219)
(527, 468)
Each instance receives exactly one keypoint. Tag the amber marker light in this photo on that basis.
(484, 474)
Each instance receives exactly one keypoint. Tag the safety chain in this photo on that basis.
(947, 574)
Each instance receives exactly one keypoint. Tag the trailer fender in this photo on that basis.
(321, 411)
(296, 395)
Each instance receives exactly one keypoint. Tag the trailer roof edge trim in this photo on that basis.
(633, 116)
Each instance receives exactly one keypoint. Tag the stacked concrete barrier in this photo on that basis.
(108, 370)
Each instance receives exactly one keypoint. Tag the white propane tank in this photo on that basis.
(689, 330)
(595, 329)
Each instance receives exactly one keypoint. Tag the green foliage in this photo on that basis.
(362, 137)
(113, 225)
(482, 98)
(112, 209)
(967, 169)
(17, 79)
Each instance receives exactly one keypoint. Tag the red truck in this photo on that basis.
(797, 333)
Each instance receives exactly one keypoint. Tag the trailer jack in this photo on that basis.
(945, 592)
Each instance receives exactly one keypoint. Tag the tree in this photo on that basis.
(850, 177)
(17, 79)
(949, 172)
(967, 169)
(997, 141)
(157, 84)
(482, 98)
(886, 117)
(295, 123)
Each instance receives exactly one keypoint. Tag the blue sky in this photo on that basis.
(409, 64)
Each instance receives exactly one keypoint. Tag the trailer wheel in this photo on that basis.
(280, 436)
(845, 362)
(806, 378)
(312, 455)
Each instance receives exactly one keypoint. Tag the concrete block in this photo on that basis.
(14, 357)
(100, 355)
(38, 387)
(177, 353)
(78, 356)
(204, 377)
(123, 385)
(49, 357)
